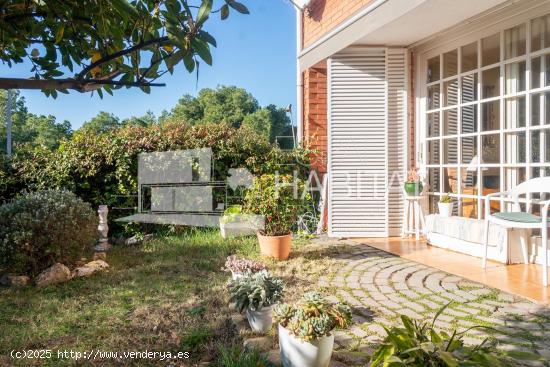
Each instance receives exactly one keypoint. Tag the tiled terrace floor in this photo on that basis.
(379, 286)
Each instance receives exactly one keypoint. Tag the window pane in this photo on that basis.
(433, 97)
(536, 65)
(490, 86)
(490, 183)
(490, 148)
(537, 100)
(515, 146)
(514, 41)
(514, 111)
(469, 57)
(433, 152)
(450, 90)
(547, 69)
(490, 50)
(433, 124)
(469, 206)
(450, 122)
(513, 177)
(433, 179)
(469, 151)
(433, 69)
(515, 77)
(450, 63)
(490, 116)
(540, 146)
(450, 151)
(450, 180)
(469, 88)
(469, 119)
(540, 33)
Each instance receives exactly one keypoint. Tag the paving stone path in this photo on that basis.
(380, 286)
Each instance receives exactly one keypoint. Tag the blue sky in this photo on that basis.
(256, 52)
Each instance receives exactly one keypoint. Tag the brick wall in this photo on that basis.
(315, 114)
(321, 16)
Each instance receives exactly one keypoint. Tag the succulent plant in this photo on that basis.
(254, 291)
(312, 317)
(241, 266)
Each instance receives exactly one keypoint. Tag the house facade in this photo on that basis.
(458, 89)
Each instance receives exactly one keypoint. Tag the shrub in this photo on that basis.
(279, 199)
(255, 290)
(313, 317)
(45, 227)
(419, 344)
(242, 266)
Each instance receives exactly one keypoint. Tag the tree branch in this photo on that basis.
(118, 54)
(85, 85)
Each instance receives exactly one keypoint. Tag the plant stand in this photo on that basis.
(413, 217)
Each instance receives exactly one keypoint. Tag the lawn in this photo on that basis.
(166, 295)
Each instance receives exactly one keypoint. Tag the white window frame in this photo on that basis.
(454, 39)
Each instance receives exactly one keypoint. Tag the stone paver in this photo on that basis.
(388, 286)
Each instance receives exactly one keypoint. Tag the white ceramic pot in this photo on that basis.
(445, 209)
(261, 320)
(297, 353)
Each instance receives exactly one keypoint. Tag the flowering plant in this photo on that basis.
(413, 175)
(241, 266)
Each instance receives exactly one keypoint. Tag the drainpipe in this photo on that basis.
(299, 80)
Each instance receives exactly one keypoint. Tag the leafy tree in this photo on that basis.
(107, 44)
(225, 103)
(101, 123)
(147, 119)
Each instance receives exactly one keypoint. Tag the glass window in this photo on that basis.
(490, 115)
(514, 112)
(536, 68)
(450, 151)
(450, 63)
(514, 41)
(469, 119)
(433, 69)
(515, 77)
(433, 97)
(469, 88)
(540, 146)
(513, 177)
(433, 124)
(469, 57)
(433, 152)
(450, 122)
(515, 147)
(490, 148)
(450, 90)
(433, 179)
(490, 83)
(490, 50)
(450, 180)
(540, 33)
(469, 151)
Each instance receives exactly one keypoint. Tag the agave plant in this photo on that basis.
(254, 291)
(313, 317)
(419, 344)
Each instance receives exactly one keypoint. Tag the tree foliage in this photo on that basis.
(105, 44)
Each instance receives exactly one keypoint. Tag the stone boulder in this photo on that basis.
(90, 268)
(100, 256)
(57, 273)
(11, 280)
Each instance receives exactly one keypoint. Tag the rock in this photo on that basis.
(57, 273)
(11, 280)
(90, 268)
(100, 256)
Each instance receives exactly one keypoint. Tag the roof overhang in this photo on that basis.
(394, 23)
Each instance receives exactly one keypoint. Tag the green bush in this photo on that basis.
(279, 199)
(45, 227)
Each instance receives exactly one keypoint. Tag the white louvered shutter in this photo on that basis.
(367, 141)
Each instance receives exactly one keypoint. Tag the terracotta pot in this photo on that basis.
(277, 247)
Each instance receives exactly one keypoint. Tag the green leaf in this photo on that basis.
(189, 63)
(125, 8)
(202, 49)
(205, 36)
(59, 33)
(224, 12)
(439, 312)
(448, 359)
(239, 7)
(204, 12)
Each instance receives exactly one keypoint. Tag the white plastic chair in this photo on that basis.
(524, 220)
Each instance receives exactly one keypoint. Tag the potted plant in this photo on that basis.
(305, 330)
(445, 206)
(240, 267)
(413, 185)
(255, 293)
(279, 200)
(233, 223)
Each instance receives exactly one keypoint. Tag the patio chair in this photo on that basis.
(522, 220)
